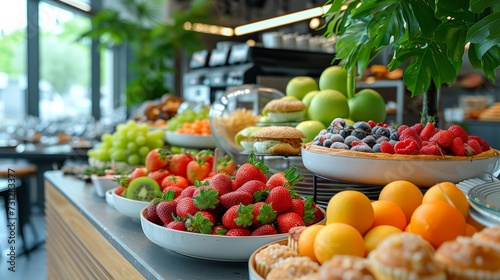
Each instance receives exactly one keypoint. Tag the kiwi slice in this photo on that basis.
(142, 189)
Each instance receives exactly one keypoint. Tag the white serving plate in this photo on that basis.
(378, 171)
(128, 207)
(102, 184)
(190, 141)
(207, 246)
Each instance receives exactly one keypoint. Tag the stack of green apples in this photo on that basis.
(330, 98)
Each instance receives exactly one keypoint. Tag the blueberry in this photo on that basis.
(369, 140)
(349, 127)
(363, 126)
(376, 148)
(382, 131)
(339, 145)
(360, 134)
(382, 139)
(344, 133)
(337, 138)
(349, 139)
(375, 129)
(327, 143)
(394, 136)
(317, 143)
(323, 132)
(362, 148)
(328, 135)
(338, 122)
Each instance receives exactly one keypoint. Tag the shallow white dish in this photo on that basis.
(378, 171)
(206, 246)
(128, 207)
(109, 198)
(190, 141)
(103, 183)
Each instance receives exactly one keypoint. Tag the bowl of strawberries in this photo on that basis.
(226, 219)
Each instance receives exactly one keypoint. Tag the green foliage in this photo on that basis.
(429, 35)
(154, 41)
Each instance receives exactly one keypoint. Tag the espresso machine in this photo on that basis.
(211, 73)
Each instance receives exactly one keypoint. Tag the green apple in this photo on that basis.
(328, 105)
(367, 105)
(310, 128)
(334, 77)
(299, 86)
(307, 99)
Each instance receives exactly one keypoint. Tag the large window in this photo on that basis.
(65, 87)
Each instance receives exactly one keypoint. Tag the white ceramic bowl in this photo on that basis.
(128, 207)
(207, 246)
(190, 141)
(423, 172)
(109, 198)
(103, 183)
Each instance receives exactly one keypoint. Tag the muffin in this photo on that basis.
(346, 267)
(465, 258)
(285, 109)
(293, 237)
(489, 236)
(268, 257)
(293, 268)
(405, 256)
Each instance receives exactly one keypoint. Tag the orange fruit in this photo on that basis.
(454, 194)
(388, 213)
(338, 239)
(408, 227)
(437, 222)
(404, 193)
(474, 223)
(470, 230)
(375, 235)
(306, 241)
(351, 207)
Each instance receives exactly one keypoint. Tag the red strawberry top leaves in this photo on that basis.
(238, 216)
(252, 170)
(201, 222)
(219, 230)
(263, 214)
(207, 199)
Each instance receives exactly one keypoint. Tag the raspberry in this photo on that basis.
(411, 133)
(386, 147)
(459, 131)
(484, 145)
(443, 138)
(475, 145)
(428, 131)
(407, 147)
(457, 146)
(431, 149)
(402, 128)
(418, 127)
(372, 123)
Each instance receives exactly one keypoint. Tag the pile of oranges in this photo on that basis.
(355, 225)
(198, 127)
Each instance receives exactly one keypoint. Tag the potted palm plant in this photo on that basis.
(430, 36)
(154, 40)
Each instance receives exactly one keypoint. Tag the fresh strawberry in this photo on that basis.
(174, 180)
(484, 145)
(318, 215)
(235, 198)
(428, 131)
(201, 222)
(459, 131)
(166, 207)
(468, 150)
(221, 183)
(207, 156)
(418, 127)
(407, 147)
(267, 229)
(159, 175)
(298, 206)
(252, 187)
(263, 214)
(178, 164)
(475, 145)
(277, 179)
(206, 199)
(252, 170)
(177, 225)
(177, 190)
(386, 147)
(119, 190)
(151, 214)
(444, 138)
(431, 149)
(219, 230)
(238, 216)
(186, 206)
(226, 165)
(197, 170)
(238, 232)
(312, 212)
(280, 199)
(288, 220)
(457, 146)
(157, 159)
(188, 192)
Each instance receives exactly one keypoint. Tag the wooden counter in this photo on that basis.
(87, 239)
